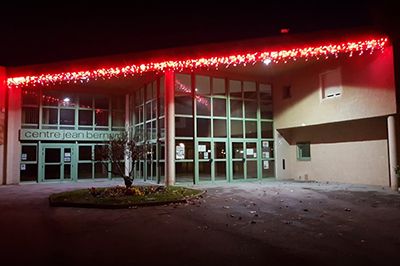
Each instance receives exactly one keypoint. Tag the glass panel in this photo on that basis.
(238, 170)
(85, 153)
(162, 128)
(219, 126)
(139, 114)
(100, 170)
(204, 171)
(268, 169)
(67, 117)
(101, 118)
(251, 150)
(67, 100)
(267, 149)
(161, 169)
(67, 171)
(85, 101)
(265, 92)
(251, 169)
(52, 171)
(220, 170)
(235, 88)
(267, 130)
(98, 150)
(219, 150)
(84, 170)
(149, 91)
(184, 171)
(30, 97)
(237, 150)
(251, 129)
(237, 128)
(29, 172)
(118, 103)
(49, 116)
(118, 119)
(148, 111)
(203, 85)
(30, 115)
(85, 117)
(50, 98)
(266, 110)
(219, 107)
(139, 96)
(183, 105)
(203, 106)
(184, 149)
(67, 155)
(162, 106)
(203, 127)
(183, 127)
(218, 86)
(183, 84)
(250, 108)
(153, 130)
(204, 150)
(28, 153)
(236, 108)
(52, 155)
(249, 89)
(101, 102)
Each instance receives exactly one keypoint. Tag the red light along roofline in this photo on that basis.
(323, 51)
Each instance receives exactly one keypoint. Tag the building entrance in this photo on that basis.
(57, 162)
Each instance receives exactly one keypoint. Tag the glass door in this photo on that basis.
(244, 160)
(57, 162)
(211, 160)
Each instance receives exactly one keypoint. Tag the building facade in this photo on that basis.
(313, 107)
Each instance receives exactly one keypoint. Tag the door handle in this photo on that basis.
(211, 160)
(244, 159)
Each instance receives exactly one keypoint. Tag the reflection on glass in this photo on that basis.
(238, 170)
(183, 85)
(251, 169)
(101, 118)
(220, 170)
(203, 85)
(250, 108)
(203, 127)
(218, 86)
(219, 150)
(203, 106)
(268, 169)
(219, 126)
(85, 117)
(236, 128)
(204, 171)
(235, 88)
(67, 117)
(236, 108)
(219, 107)
(184, 105)
(85, 153)
(251, 129)
(267, 130)
(237, 150)
(184, 171)
(50, 116)
(249, 89)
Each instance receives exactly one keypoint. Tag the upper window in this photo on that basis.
(331, 83)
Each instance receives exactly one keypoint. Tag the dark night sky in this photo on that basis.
(39, 34)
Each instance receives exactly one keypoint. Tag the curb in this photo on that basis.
(121, 206)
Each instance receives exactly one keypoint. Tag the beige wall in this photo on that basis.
(348, 134)
(368, 91)
(350, 152)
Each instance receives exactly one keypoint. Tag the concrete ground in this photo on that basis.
(259, 223)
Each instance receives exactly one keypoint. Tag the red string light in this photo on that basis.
(280, 56)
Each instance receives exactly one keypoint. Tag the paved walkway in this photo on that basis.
(267, 223)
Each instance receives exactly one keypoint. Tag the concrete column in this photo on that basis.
(13, 125)
(392, 152)
(127, 159)
(169, 128)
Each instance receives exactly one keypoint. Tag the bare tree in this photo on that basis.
(118, 149)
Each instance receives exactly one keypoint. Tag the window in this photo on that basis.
(331, 84)
(303, 151)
